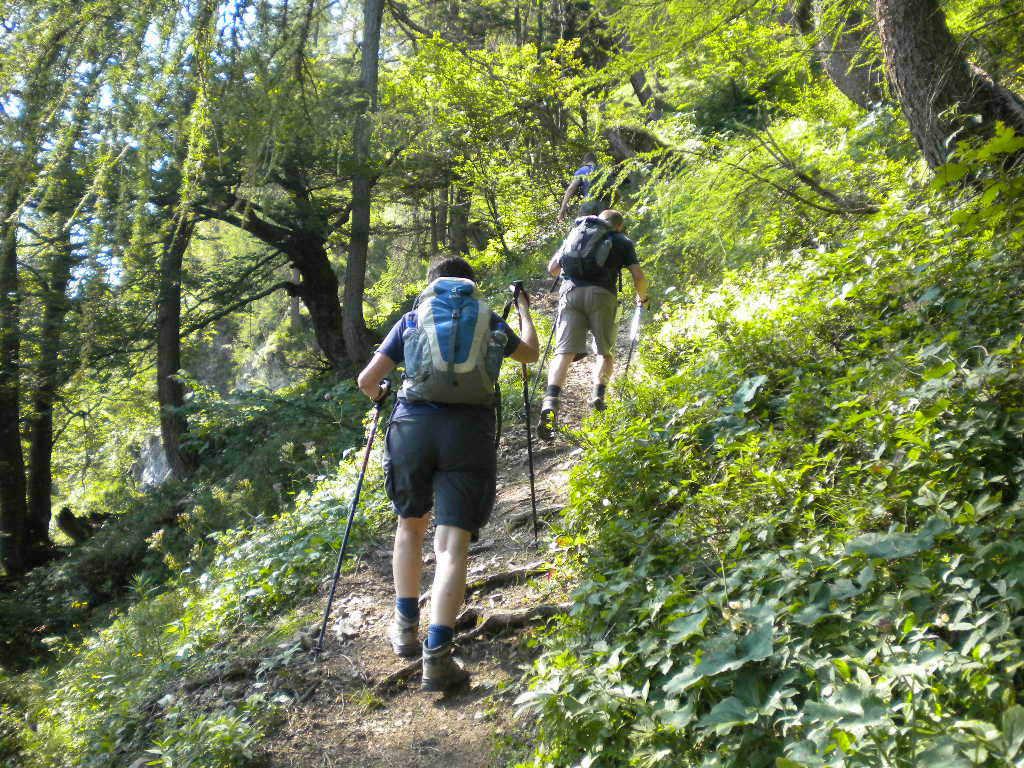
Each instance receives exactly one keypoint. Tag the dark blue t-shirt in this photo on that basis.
(394, 347)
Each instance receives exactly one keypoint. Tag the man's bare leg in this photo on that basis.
(407, 571)
(407, 555)
(557, 372)
(603, 367)
(451, 546)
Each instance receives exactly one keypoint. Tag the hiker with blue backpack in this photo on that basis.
(440, 450)
(588, 261)
(584, 186)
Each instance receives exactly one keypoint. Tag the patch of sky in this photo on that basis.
(236, 17)
(13, 105)
(106, 94)
(152, 40)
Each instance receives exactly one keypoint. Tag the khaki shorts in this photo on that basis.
(581, 309)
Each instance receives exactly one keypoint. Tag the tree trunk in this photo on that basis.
(13, 509)
(170, 391)
(319, 292)
(442, 211)
(353, 322)
(540, 30)
(458, 221)
(930, 77)
(55, 308)
(655, 106)
(434, 240)
(306, 250)
(842, 35)
(294, 306)
(839, 37)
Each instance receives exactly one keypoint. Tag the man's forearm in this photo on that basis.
(640, 286)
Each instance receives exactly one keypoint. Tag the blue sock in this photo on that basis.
(438, 635)
(409, 607)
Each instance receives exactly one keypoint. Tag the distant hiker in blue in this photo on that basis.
(582, 185)
(440, 450)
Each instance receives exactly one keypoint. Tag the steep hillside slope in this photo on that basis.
(800, 539)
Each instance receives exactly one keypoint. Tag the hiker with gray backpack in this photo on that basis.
(588, 261)
(440, 450)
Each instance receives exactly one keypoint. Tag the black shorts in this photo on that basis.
(445, 459)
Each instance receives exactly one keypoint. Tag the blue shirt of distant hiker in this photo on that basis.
(594, 200)
(584, 171)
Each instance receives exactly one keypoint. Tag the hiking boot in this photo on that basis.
(548, 417)
(402, 633)
(597, 403)
(440, 671)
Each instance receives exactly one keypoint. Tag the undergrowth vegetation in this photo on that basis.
(199, 584)
(216, 584)
(794, 539)
(798, 535)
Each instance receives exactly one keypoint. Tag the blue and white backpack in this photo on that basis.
(451, 353)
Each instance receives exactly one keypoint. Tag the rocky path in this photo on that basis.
(362, 705)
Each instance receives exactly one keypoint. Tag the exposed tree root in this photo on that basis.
(521, 518)
(495, 580)
(505, 577)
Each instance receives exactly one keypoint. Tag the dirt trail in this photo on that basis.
(347, 718)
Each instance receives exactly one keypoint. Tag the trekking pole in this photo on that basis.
(634, 332)
(547, 348)
(517, 286)
(377, 406)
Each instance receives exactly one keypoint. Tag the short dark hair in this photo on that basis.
(451, 266)
(590, 157)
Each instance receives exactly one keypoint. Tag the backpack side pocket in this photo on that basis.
(495, 354)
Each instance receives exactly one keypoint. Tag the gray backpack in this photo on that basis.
(451, 353)
(584, 251)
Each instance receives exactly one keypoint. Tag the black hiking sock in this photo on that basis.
(599, 390)
(553, 390)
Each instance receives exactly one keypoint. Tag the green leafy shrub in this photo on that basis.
(798, 539)
(112, 696)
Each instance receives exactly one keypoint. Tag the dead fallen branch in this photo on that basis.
(236, 670)
(495, 623)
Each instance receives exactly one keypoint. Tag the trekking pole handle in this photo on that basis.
(385, 390)
(518, 289)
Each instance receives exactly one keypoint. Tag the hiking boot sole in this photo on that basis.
(437, 686)
(406, 651)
